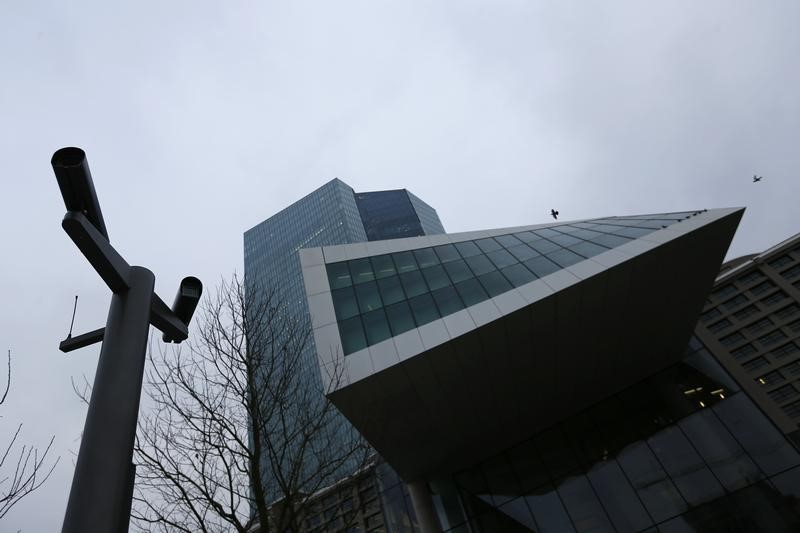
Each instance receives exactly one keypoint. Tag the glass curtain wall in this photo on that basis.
(682, 451)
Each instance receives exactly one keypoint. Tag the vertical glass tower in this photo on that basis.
(333, 214)
(394, 214)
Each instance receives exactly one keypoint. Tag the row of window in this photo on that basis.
(785, 350)
(378, 297)
(758, 325)
(765, 340)
(755, 275)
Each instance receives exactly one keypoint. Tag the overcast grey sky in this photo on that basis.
(200, 119)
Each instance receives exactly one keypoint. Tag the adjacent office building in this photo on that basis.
(546, 378)
(751, 322)
(332, 214)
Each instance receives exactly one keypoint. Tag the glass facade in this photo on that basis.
(393, 214)
(684, 450)
(383, 296)
(328, 216)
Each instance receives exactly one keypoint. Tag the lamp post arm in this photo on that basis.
(114, 270)
(87, 339)
(162, 317)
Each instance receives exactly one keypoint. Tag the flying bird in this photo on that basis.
(757, 178)
(554, 214)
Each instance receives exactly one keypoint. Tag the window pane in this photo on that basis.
(508, 241)
(523, 252)
(404, 261)
(361, 270)
(471, 292)
(612, 241)
(518, 275)
(446, 253)
(368, 297)
(425, 257)
(424, 309)
(541, 266)
(767, 447)
(383, 266)
(400, 318)
(548, 511)
(376, 326)
(546, 232)
(352, 335)
(527, 236)
(656, 491)
(582, 505)
(588, 249)
(494, 283)
(447, 300)
(721, 452)
(436, 277)
(479, 264)
(543, 246)
(633, 232)
(564, 240)
(413, 283)
(467, 248)
(501, 258)
(458, 271)
(564, 257)
(391, 290)
(488, 245)
(618, 497)
(338, 275)
(693, 479)
(344, 302)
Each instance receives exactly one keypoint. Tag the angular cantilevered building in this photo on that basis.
(537, 378)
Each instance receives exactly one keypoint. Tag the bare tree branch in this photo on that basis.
(240, 431)
(29, 471)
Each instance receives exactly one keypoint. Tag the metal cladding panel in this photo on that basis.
(584, 334)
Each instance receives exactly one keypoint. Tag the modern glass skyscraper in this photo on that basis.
(331, 215)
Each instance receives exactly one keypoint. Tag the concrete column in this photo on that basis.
(422, 500)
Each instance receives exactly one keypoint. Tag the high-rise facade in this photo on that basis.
(546, 378)
(751, 322)
(331, 215)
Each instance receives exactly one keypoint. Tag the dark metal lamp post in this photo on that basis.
(102, 487)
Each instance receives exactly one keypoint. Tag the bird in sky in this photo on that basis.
(554, 214)
(757, 178)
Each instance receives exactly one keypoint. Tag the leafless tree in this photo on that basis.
(240, 432)
(22, 471)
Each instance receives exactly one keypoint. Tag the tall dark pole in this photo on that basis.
(102, 473)
(102, 487)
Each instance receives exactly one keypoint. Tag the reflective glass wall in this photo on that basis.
(393, 214)
(683, 451)
(383, 296)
